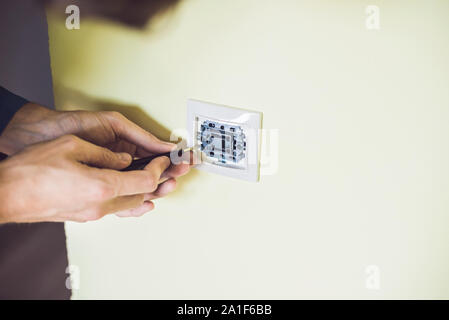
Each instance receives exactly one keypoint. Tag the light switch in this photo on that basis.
(228, 137)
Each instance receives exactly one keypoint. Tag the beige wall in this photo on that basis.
(363, 173)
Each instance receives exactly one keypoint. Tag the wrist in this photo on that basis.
(30, 113)
(5, 147)
(28, 125)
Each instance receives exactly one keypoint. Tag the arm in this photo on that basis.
(69, 179)
(52, 174)
(33, 123)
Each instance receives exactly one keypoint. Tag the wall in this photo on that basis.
(363, 173)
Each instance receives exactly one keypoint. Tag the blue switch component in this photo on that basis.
(221, 142)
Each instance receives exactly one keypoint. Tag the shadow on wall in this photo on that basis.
(133, 13)
(67, 99)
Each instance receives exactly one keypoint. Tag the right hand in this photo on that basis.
(69, 179)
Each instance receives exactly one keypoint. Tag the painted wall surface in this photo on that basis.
(359, 205)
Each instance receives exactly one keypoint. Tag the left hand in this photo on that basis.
(34, 123)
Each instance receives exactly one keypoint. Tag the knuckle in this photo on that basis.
(95, 214)
(150, 181)
(70, 141)
(107, 156)
(98, 214)
(114, 114)
(103, 191)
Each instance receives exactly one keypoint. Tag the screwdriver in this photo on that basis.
(139, 164)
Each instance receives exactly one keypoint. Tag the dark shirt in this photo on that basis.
(9, 104)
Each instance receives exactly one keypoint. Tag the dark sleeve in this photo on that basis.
(9, 104)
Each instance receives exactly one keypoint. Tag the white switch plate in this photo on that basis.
(235, 152)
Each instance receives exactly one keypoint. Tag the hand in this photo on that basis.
(34, 123)
(71, 179)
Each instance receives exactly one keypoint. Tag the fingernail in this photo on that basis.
(125, 157)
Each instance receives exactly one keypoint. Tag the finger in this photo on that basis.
(136, 181)
(122, 146)
(94, 155)
(142, 153)
(136, 212)
(131, 132)
(159, 165)
(114, 206)
(124, 203)
(163, 189)
(175, 171)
